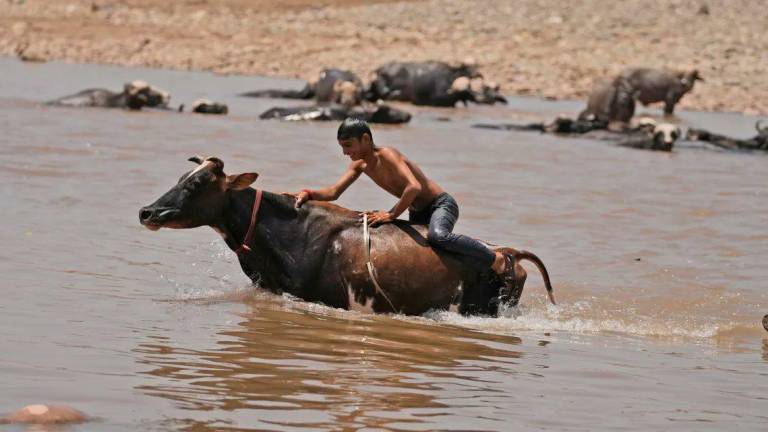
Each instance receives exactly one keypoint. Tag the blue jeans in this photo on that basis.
(441, 215)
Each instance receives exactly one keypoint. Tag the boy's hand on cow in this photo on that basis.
(300, 197)
(378, 217)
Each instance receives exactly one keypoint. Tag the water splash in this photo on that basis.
(588, 317)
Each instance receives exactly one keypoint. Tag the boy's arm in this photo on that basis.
(411, 191)
(331, 193)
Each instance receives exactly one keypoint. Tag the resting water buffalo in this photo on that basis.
(645, 134)
(135, 95)
(378, 113)
(651, 135)
(610, 100)
(758, 142)
(432, 83)
(560, 125)
(317, 252)
(654, 85)
(332, 86)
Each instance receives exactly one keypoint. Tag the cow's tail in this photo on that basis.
(530, 256)
(307, 92)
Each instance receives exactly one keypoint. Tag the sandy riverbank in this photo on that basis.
(540, 47)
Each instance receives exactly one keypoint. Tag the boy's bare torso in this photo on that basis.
(384, 172)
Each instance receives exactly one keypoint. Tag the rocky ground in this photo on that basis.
(546, 48)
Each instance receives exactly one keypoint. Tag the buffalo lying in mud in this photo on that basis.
(655, 85)
(560, 125)
(332, 86)
(653, 136)
(135, 96)
(318, 252)
(432, 83)
(379, 113)
(645, 134)
(758, 142)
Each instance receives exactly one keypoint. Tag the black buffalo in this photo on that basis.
(135, 95)
(378, 113)
(432, 83)
(758, 142)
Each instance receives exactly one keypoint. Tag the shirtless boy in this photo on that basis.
(425, 200)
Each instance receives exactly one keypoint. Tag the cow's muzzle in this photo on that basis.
(155, 217)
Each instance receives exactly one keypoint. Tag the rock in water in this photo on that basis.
(45, 414)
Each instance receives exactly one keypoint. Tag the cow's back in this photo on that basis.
(414, 276)
(651, 85)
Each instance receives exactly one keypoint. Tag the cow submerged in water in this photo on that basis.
(317, 252)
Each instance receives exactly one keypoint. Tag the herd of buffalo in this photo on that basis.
(338, 94)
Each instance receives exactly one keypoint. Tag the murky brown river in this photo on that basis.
(658, 262)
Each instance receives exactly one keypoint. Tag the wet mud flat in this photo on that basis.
(656, 260)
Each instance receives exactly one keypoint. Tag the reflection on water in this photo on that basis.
(332, 371)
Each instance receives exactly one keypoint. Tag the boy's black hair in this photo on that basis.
(353, 128)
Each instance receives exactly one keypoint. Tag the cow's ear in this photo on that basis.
(241, 181)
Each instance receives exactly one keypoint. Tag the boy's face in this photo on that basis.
(356, 148)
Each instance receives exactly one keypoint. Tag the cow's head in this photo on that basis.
(387, 114)
(486, 92)
(140, 94)
(688, 78)
(197, 199)
(665, 135)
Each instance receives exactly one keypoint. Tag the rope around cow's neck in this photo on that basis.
(369, 264)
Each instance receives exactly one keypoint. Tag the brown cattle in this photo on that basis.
(317, 252)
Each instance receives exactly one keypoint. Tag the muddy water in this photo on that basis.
(658, 262)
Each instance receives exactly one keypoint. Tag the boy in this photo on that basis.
(424, 199)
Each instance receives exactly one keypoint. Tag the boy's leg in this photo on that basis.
(441, 235)
(476, 254)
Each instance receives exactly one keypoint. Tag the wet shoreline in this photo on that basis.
(537, 48)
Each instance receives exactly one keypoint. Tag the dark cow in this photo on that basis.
(432, 83)
(378, 113)
(135, 96)
(654, 85)
(332, 86)
(758, 142)
(610, 101)
(646, 134)
(317, 252)
(560, 125)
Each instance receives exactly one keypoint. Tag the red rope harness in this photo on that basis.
(256, 204)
